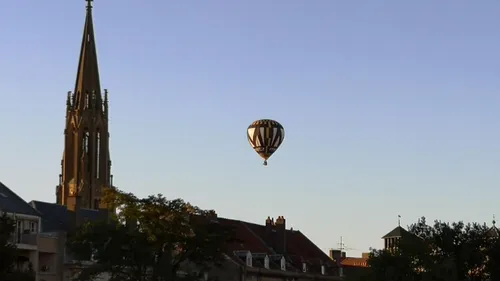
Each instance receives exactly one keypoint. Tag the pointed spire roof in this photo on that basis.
(396, 233)
(493, 231)
(87, 79)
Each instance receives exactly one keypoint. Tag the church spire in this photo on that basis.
(86, 163)
(88, 87)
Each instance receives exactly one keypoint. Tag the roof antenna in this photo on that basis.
(494, 221)
(399, 220)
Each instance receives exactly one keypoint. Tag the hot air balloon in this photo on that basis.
(265, 137)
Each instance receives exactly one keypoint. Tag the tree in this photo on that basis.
(443, 251)
(9, 253)
(7, 248)
(149, 239)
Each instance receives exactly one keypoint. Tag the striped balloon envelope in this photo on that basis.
(265, 137)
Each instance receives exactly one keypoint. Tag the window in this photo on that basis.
(86, 100)
(98, 153)
(85, 142)
(33, 226)
(19, 231)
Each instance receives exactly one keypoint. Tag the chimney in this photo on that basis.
(280, 239)
(280, 221)
(276, 234)
(270, 232)
(365, 255)
(336, 255)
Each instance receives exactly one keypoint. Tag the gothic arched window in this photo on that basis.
(85, 141)
(98, 152)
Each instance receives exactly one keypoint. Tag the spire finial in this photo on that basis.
(399, 220)
(89, 4)
(494, 221)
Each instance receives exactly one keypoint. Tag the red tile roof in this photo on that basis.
(355, 262)
(247, 240)
(299, 248)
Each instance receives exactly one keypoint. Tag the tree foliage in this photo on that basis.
(9, 269)
(149, 239)
(442, 251)
(7, 248)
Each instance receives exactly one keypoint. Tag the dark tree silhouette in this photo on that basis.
(442, 251)
(149, 239)
(9, 253)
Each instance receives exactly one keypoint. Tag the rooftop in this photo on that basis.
(10, 202)
(57, 217)
(299, 249)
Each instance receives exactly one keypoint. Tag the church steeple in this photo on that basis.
(86, 164)
(87, 86)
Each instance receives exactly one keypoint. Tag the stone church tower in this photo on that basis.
(86, 163)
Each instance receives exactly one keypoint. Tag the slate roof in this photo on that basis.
(57, 217)
(396, 232)
(10, 202)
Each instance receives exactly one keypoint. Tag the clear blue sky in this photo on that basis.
(390, 107)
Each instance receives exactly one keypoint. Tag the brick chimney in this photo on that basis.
(269, 236)
(276, 234)
(281, 235)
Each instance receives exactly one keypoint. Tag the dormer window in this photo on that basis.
(249, 259)
(266, 262)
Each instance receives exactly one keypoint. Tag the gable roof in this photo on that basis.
(10, 202)
(396, 232)
(57, 217)
(299, 248)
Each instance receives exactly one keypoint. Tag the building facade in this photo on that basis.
(37, 251)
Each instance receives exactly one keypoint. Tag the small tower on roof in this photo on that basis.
(86, 159)
(392, 239)
(493, 232)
